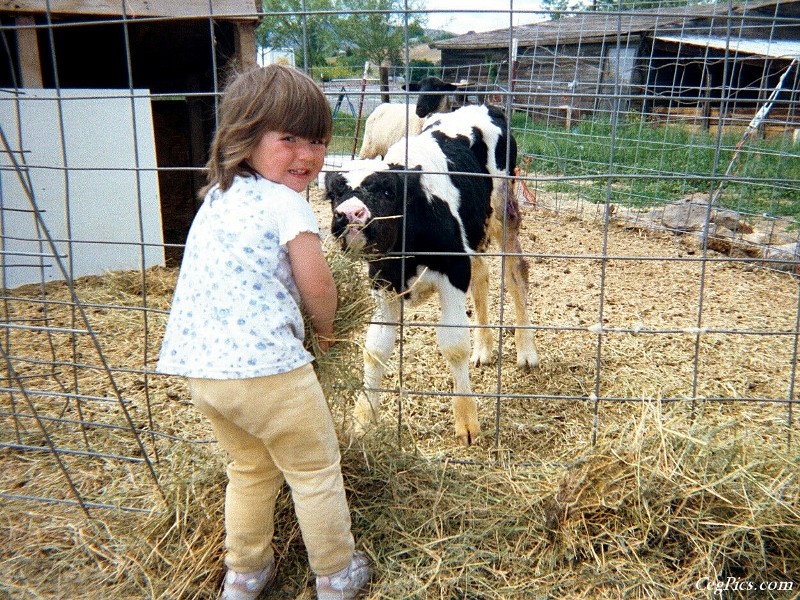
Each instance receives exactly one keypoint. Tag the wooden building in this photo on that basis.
(702, 58)
(179, 51)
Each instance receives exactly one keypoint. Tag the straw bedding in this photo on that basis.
(648, 498)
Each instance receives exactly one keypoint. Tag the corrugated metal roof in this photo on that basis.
(772, 48)
(593, 26)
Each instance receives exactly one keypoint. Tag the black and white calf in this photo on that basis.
(423, 217)
(484, 126)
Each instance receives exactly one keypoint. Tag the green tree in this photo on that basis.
(378, 30)
(562, 8)
(366, 30)
(423, 68)
(312, 32)
(558, 8)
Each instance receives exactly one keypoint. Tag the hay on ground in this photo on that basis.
(340, 368)
(658, 507)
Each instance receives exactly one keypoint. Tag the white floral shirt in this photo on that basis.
(235, 311)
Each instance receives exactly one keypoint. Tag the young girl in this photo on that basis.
(235, 330)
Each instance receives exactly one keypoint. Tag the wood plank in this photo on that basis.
(246, 45)
(240, 9)
(28, 51)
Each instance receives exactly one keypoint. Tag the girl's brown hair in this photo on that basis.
(262, 99)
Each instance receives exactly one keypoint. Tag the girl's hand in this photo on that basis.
(324, 343)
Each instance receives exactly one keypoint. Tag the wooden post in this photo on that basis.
(28, 51)
(246, 47)
(705, 113)
(751, 128)
(360, 108)
(384, 76)
(513, 70)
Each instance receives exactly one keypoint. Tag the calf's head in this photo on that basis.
(434, 97)
(368, 207)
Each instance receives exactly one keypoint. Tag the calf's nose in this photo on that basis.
(353, 210)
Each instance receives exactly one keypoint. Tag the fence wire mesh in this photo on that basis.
(658, 176)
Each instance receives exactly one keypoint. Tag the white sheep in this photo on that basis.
(389, 123)
(385, 126)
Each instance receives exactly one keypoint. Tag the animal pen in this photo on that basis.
(652, 453)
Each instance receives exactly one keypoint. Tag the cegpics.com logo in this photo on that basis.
(733, 584)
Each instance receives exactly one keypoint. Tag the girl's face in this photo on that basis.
(288, 159)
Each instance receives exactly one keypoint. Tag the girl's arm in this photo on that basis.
(315, 284)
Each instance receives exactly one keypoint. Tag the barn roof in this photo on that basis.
(757, 47)
(595, 26)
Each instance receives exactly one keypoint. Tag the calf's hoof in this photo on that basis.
(481, 357)
(527, 361)
(467, 433)
(358, 429)
(364, 418)
(482, 349)
(527, 357)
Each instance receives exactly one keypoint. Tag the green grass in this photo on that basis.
(640, 164)
(344, 127)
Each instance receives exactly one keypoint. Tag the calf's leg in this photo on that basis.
(378, 347)
(504, 231)
(516, 280)
(452, 336)
(479, 290)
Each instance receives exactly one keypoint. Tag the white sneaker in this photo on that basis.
(348, 583)
(247, 586)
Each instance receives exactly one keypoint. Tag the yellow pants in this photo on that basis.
(278, 428)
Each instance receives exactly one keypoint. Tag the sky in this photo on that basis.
(456, 21)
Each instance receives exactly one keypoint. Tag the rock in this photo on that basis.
(788, 252)
(685, 216)
(692, 212)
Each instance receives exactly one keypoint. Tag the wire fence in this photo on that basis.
(658, 176)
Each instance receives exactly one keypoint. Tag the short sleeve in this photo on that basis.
(298, 217)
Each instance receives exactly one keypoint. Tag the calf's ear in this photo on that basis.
(335, 186)
(330, 177)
